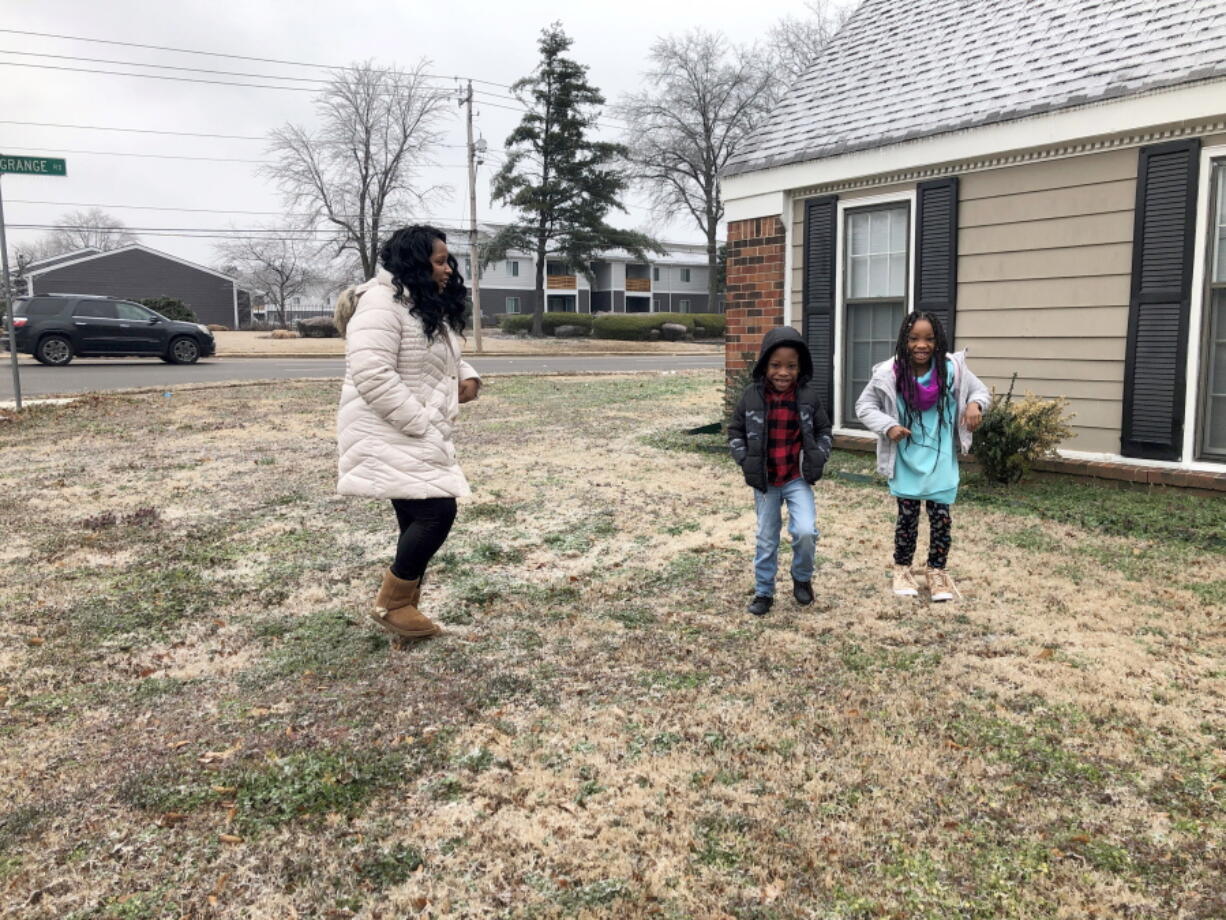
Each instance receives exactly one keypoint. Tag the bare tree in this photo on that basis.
(358, 172)
(280, 266)
(706, 97)
(92, 229)
(796, 41)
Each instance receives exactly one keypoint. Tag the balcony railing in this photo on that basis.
(640, 285)
(560, 282)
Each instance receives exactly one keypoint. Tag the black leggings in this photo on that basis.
(424, 525)
(907, 530)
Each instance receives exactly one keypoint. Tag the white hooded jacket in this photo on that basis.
(877, 406)
(399, 402)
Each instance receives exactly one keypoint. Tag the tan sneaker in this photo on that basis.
(905, 584)
(941, 586)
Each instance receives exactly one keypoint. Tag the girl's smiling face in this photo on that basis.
(440, 267)
(921, 343)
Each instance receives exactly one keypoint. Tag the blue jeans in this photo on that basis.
(802, 527)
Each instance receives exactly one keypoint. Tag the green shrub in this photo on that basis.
(735, 384)
(707, 325)
(318, 327)
(171, 308)
(512, 323)
(1016, 434)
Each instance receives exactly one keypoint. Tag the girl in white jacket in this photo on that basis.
(923, 404)
(404, 381)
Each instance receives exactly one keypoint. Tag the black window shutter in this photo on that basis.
(1158, 308)
(936, 262)
(821, 228)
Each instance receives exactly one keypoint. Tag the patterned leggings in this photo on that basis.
(907, 530)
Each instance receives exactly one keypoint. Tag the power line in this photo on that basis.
(49, 124)
(224, 73)
(235, 57)
(180, 156)
(229, 137)
(320, 84)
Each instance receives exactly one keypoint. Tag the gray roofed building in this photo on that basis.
(137, 272)
(1046, 178)
(904, 70)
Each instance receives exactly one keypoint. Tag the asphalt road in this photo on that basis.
(97, 375)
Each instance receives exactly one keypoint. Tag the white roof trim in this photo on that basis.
(1134, 114)
(62, 258)
(130, 248)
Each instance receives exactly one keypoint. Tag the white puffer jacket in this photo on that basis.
(399, 402)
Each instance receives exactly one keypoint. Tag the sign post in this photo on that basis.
(25, 166)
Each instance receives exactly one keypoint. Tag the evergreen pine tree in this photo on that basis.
(561, 182)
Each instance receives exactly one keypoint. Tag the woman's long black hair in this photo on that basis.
(904, 376)
(406, 255)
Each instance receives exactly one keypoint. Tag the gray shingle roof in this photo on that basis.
(904, 69)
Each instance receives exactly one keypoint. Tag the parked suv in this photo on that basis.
(55, 328)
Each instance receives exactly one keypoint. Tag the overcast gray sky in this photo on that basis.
(482, 40)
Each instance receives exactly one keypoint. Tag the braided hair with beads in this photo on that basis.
(905, 376)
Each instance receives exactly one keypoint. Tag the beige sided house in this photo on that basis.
(1048, 176)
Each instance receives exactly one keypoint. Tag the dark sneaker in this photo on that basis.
(803, 592)
(760, 605)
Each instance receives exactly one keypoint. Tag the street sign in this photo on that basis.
(25, 166)
(32, 166)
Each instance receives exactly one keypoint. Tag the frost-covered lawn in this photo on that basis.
(197, 720)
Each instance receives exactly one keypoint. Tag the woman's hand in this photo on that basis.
(972, 418)
(897, 433)
(469, 389)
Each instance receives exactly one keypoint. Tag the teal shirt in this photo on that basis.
(926, 465)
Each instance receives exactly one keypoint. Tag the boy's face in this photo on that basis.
(783, 368)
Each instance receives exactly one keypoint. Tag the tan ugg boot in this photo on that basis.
(396, 609)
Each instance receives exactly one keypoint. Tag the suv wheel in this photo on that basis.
(54, 350)
(184, 350)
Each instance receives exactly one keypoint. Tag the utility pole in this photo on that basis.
(474, 255)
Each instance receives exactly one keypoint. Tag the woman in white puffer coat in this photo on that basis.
(404, 382)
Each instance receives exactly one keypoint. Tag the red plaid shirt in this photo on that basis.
(782, 436)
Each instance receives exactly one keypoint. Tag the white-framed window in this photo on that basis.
(684, 306)
(512, 305)
(685, 275)
(1211, 430)
(655, 273)
(513, 268)
(874, 268)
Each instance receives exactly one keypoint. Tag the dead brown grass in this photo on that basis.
(198, 722)
(246, 344)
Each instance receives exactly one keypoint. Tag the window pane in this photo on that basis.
(1215, 378)
(898, 231)
(1219, 262)
(879, 276)
(101, 308)
(858, 234)
(872, 330)
(879, 231)
(858, 281)
(860, 323)
(885, 326)
(898, 274)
